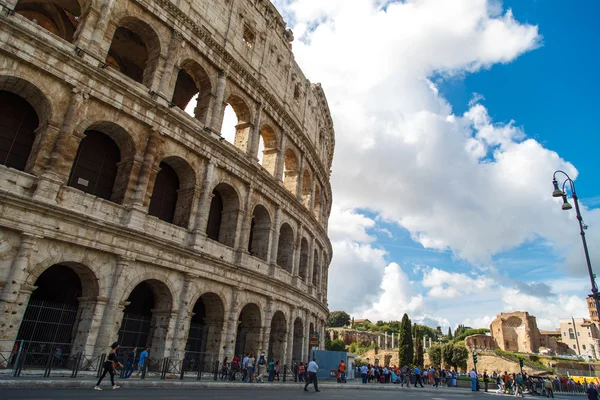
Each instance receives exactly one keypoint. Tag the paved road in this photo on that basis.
(240, 393)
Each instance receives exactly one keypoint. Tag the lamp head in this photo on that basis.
(557, 192)
(566, 205)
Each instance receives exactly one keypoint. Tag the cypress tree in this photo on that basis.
(449, 333)
(419, 361)
(405, 342)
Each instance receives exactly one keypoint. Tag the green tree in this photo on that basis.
(338, 319)
(449, 333)
(336, 345)
(468, 332)
(419, 359)
(405, 342)
(447, 353)
(435, 355)
(460, 355)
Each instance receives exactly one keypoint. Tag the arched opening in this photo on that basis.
(236, 123)
(303, 270)
(260, 231)
(285, 247)
(54, 317)
(146, 317)
(223, 215)
(96, 165)
(267, 149)
(317, 203)
(306, 188)
(18, 122)
(59, 17)
(173, 192)
(248, 331)
(277, 338)
(134, 50)
(315, 277)
(204, 338)
(291, 171)
(193, 90)
(298, 337)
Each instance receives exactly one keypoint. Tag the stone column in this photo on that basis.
(230, 332)
(306, 338)
(45, 136)
(111, 318)
(165, 81)
(202, 212)
(136, 213)
(289, 339)
(275, 240)
(63, 151)
(393, 347)
(266, 328)
(313, 189)
(280, 159)
(216, 120)
(300, 179)
(100, 29)
(89, 317)
(255, 133)
(162, 327)
(311, 266)
(15, 294)
(297, 248)
(243, 227)
(183, 319)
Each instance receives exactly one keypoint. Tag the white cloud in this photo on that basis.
(463, 183)
(451, 285)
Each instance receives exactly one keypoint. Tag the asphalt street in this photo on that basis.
(239, 393)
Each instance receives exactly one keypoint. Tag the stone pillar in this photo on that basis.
(230, 331)
(429, 342)
(393, 347)
(306, 338)
(15, 294)
(202, 212)
(297, 248)
(111, 318)
(86, 26)
(64, 150)
(244, 224)
(89, 318)
(165, 82)
(136, 213)
(289, 339)
(45, 136)
(162, 328)
(183, 319)
(266, 328)
(255, 133)
(313, 189)
(100, 29)
(275, 240)
(300, 179)
(311, 266)
(216, 120)
(322, 335)
(280, 159)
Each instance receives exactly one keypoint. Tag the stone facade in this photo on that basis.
(161, 219)
(516, 331)
(480, 342)
(580, 336)
(349, 336)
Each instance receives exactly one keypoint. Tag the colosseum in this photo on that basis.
(125, 217)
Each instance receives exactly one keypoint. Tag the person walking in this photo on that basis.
(363, 373)
(224, 369)
(271, 370)
(418, 378)
(473, 377)
(342, 371)
(250, 367)
(312, 375)
(130, 363)
(235, 367)
(486, 380)
(142, 360)
(109, 367)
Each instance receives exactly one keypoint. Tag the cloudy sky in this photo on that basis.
(450, 118)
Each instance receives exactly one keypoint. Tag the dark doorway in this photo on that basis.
(18, 122)
(164, 195)
(128, 54)
(137, 317)
(213, 228)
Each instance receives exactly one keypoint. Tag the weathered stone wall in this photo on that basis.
(114, 244)
(516, 331)
(480, 342)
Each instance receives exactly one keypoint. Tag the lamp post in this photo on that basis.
(558, 192)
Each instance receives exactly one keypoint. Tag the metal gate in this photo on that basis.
(46, 321)
(135, 330)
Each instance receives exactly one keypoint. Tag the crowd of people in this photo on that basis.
(406, 375)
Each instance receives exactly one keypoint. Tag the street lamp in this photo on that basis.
(558, 192)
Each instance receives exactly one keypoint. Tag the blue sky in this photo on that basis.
(450, 117)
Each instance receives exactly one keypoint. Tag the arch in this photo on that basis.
(315, 277)
(204, 338)
(193, 90)
(18, 124)
(268, 139)
(223, 215)
(146, 317)
(248, 331)
(241, 137)
(54, 309)
(298, 338)
(303, 270)
(103, 162)
(317, 202)
(135, 50)
(31, 93)
(306, 188)
(285, 247)
(59, 17)
(173, 191)
(290, 179)
(277, 337)
(260, 232)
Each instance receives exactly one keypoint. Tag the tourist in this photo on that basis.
(312, 375)
(142, 360)
(342, 371)
(363, 373)
(271, 369)
(486, 380)
(277, 369)
(301, 371)
(548, 387)
(250, 368)
(592, 392)
(245, 368)
(473, 377)
(130, 363)
(109, 367)
(224, 369)
(235, 367)
(418, 379)
(499, 383)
